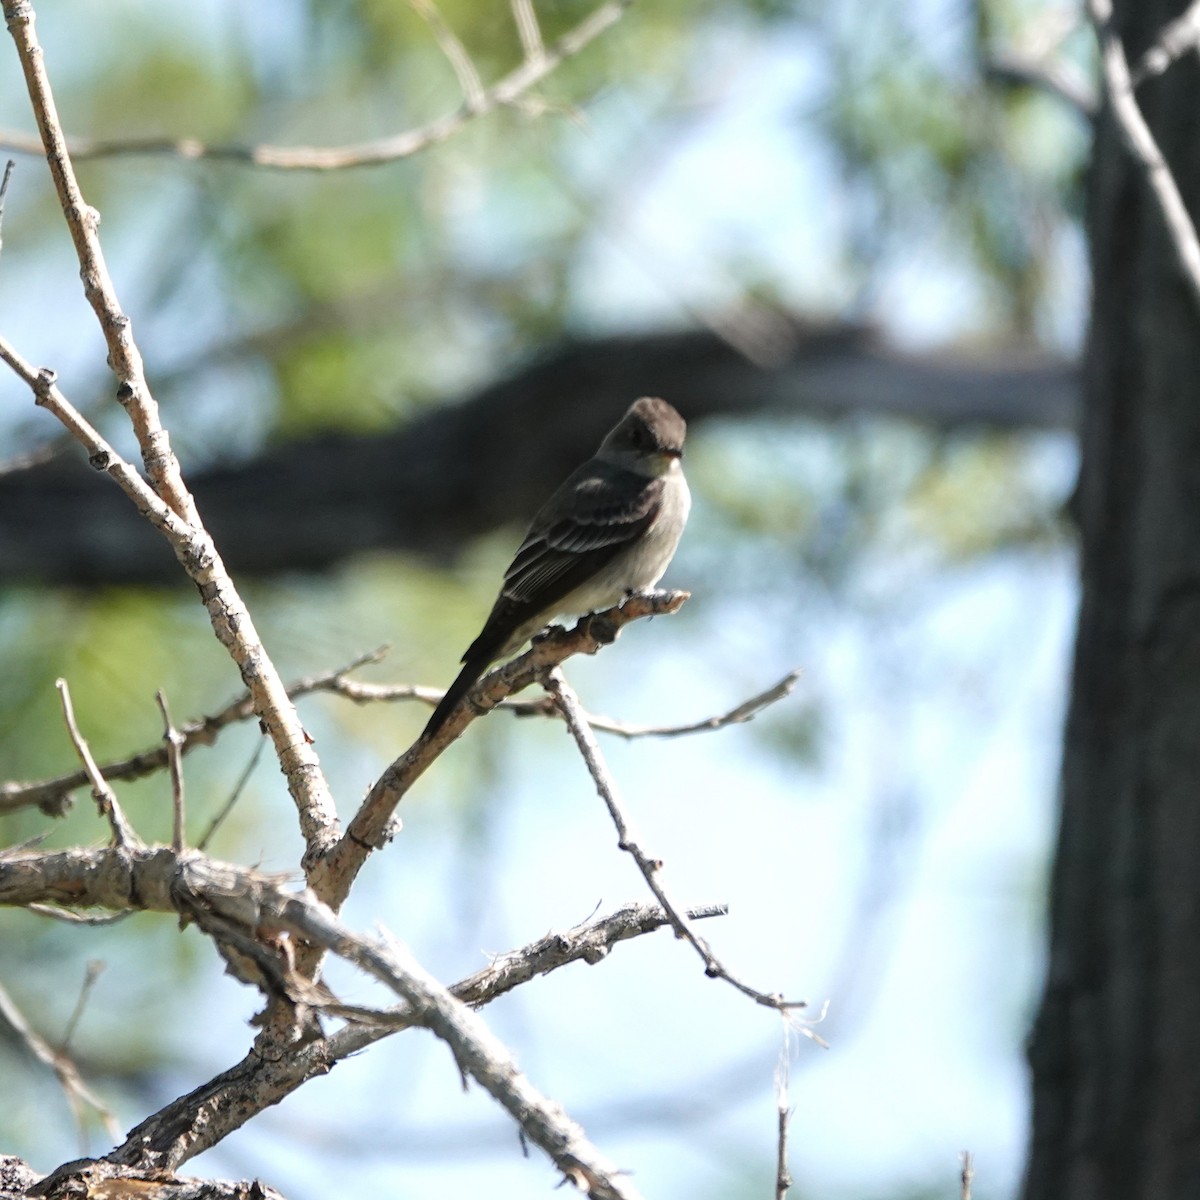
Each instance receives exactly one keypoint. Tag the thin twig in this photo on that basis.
(77, 1092)
(1175, 39)
(1141, 144)
(231, 620)
(75, 918)
(650, 867)
(92, 972)
(746, 711)
(473, 90)
(373, 825)
(529, 30)
(8, 170)
(966, 1175)
(509, 90)
(51, 794)
(234, 796)
(174, 742)
(783, 1176)
(105, 797)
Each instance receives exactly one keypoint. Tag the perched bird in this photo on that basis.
(610, 530)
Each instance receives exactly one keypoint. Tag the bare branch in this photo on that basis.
(1173, 42)
(372, 826)
(783, 1176)
(365, 693)
(174, 742)
(650, 867)
(8, 170)
(52, 795)
(509, 90)
(79, 1095)
(230, 618)
(234, 796)
(242, 908)
(98, 1178)
(455, 52)
(966, 1176)
(529, 30)
(106, 799)
(1141, 144)
(199, 1120)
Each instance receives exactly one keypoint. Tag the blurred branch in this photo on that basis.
(8, 170)
(419, 489)
(1140, 141)
(1056, 78)
(167, 503)
(650, 867)
(456, 54)
(79, 1095)
(1173, 42)
(510, 89)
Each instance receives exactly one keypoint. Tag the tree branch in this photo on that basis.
(650, 867)
(234, 904)
(230, 618)
(52, 796)
(509, 90)
(372, 826)
(1140, 141)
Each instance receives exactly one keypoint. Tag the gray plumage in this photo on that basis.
(609, 530)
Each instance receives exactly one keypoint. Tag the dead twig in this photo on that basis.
(174, 742)
(1174, 41)
(230, 618)
(1118, 84)
(8, 170)
(650, 867)
(79, 1096)
(373, 825)
(52, 795)
(106, 799)
(508, 91)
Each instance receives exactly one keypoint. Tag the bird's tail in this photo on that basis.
(463, 682)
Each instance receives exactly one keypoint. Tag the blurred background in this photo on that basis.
(749, 171)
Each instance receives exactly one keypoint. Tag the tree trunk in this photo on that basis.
(1115, 1050)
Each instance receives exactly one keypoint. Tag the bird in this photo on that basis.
(609, 531)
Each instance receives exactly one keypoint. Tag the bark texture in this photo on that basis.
(1116, 1046)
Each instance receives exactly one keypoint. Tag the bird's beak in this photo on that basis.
(676, 454)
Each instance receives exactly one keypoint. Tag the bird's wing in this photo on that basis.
(598, 512)
(585, 525)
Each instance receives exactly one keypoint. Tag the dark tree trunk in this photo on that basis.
(1116, 1047)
